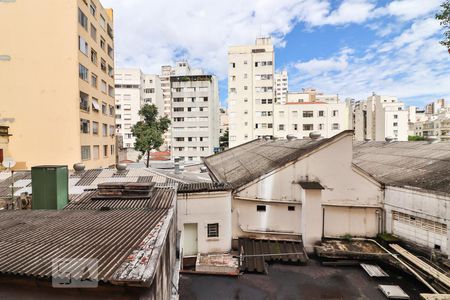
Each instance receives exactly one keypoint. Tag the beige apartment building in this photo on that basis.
(56, 70)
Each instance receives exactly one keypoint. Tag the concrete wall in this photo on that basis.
(419, 204)
(355, 221)
(203, 209)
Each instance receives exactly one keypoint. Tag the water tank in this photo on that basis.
(50, 187)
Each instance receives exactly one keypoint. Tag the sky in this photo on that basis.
(349, 47)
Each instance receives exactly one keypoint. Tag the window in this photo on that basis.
(82, 19)
(105, 150)
(95, 105)
(94, 127)
(308, 114)
(83, 72)
(321, 126)
(260, 208)
(84, 125)
(110, 71)
(111, 130)
(102, 22)
(112, 149)
(104, 108)
(94, 80)
(93, 56)
(233, 65)
(83, 45)
(110, 91)
(395, 124)
(84, 101)
(335, 126)
(308, 127)
(213, 230)
(335, 113)
(111, 110)
(294, 126)
(104, 87)
(245, 87)
(103, 65)
(178, 109)
(93, 32)
(150, 91)
(92, 9)
(102, 43)
(205, 99)
(320, 113)
(281, 127)
(85, 152)
(111, 52)
(105, 129)
(177, 99)
(395, 116)
(291, 208)
(96, 150)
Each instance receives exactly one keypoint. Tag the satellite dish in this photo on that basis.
(8, 163)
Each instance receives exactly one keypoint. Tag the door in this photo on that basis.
(190, 239)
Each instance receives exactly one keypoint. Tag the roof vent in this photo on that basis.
(121, 167)
(290, 137)
(432, 139)
(388, 139)
(267, 137)
(366, 140)
(203, 169)
(79, 167)
(314, 135)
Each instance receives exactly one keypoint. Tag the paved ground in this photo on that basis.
(310, 282)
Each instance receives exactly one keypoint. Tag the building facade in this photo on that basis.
(380, 117)
(65, 114)
(250, 89)
(195, 113)
(281, 86)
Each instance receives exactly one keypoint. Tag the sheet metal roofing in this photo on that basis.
(161, 198)
(406, 164)
(124, 242)
(203, 187)
(242, 164)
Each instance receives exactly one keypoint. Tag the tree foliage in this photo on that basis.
(444, 18)
(223, 141)
(149, 132)
(415, 138)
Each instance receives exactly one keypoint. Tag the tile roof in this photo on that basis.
(406, 164)
(240, 165)
(125, 242)
(203, 187)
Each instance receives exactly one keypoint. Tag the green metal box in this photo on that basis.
(50, 187)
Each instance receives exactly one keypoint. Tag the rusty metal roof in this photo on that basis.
(162, 197)
(406, 164)
(203, 187)
(242, 164)
(123, 241)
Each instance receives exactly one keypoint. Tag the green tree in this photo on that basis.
(444, 18)
(149, 132)
(223, 141)
(415, 138)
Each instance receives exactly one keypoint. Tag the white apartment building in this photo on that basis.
(281, 86)
(195, 113)
(167, 102)
(300, 116)
(223, 124)
(380, 117)
(250, 89)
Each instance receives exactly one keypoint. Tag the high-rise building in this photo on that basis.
(167, 102)
(281, 86)
(250, 89)
(195, 113)
(57, 72)
(381, 117)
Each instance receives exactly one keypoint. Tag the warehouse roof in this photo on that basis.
(125, 243)
(242, 164)
(421, 165)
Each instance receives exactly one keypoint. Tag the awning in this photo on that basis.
(95, 104)
(311, 185)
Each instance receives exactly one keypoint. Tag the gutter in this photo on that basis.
(268, 201)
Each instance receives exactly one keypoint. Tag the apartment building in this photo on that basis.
(380, 117)
(281, 86)
(434, 121)
(62, 111)
(300, 116)
(167, 101)
(223, 124)
(195, 113)
(250, 89)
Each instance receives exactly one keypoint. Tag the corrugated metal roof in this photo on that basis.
(31, 239)
(406, 164)
(203, 187)
(244, 163)
(162, 197)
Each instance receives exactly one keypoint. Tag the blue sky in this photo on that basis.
(350, 47)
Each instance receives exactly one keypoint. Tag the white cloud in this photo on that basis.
(320, 66)
(410, 9)
(350, 11)
(416, 66)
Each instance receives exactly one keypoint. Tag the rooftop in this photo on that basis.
(406, 164)
(242, 164)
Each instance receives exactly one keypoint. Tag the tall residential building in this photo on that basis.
(380, 117)
(250, 89)
(195, 113)
(56, 70)
(223, 123)
(167, 101)
(281, 86)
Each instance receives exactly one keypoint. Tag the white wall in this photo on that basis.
(356, 221)
(203, 209)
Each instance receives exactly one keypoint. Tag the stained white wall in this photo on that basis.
(355, 221)
(203, 209)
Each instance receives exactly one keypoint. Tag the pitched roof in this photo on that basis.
(203, 187)
(406, 164)
(125, 243)
(242, 164)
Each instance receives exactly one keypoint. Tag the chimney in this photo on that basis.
(203, 169)
(176, 165)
